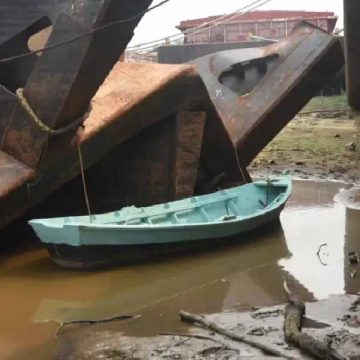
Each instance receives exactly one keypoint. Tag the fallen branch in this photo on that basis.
(201, 337)
(196, 319)
(294, 312)
(93, 322)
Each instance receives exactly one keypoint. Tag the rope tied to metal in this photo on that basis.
(40, 124)
(26, 106)
(43, 127)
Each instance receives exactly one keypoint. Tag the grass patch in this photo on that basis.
(320, 146)
(327, 103)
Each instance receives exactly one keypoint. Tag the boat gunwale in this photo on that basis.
(284, 181)
(274, 205)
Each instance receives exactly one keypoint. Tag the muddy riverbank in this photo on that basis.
(334, 321)
(37, 296)
(314, 147)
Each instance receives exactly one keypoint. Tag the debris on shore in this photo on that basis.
(327, 333)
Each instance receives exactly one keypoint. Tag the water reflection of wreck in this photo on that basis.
(155, 132)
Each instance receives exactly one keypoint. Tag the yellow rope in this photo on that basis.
(26, 106)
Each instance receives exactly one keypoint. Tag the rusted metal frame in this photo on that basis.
(352, 51)
(65, 166)
(65, 79)
(228, 101)
(300, 80)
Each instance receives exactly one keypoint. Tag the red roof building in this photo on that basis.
(270, 24)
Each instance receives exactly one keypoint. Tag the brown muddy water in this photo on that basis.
(36, 295)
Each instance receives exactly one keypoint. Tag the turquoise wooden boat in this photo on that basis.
(136, 233)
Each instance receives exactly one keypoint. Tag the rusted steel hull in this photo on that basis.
(256, 92)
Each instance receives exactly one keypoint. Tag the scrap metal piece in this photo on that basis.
(256, 92)
(188, 143)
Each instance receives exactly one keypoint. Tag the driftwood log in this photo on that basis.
(294, 312)
(200, 320)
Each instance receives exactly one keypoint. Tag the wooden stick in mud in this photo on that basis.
(92, 322)
(197, 319)
(201, 337)
(294, 312)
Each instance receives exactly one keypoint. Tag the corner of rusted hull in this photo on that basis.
(256, 92)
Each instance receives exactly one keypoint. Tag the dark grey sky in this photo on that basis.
(161, 22)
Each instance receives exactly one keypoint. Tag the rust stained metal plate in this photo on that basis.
(65, 79)
(256, 92)
(189, 139)
(158, 165)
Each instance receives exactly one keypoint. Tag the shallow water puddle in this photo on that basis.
(37, 295)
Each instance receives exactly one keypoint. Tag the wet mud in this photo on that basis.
(325, 322)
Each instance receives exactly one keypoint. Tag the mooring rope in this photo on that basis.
(240, 168)
(43, 127)
(26, 106)
(86, 195)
